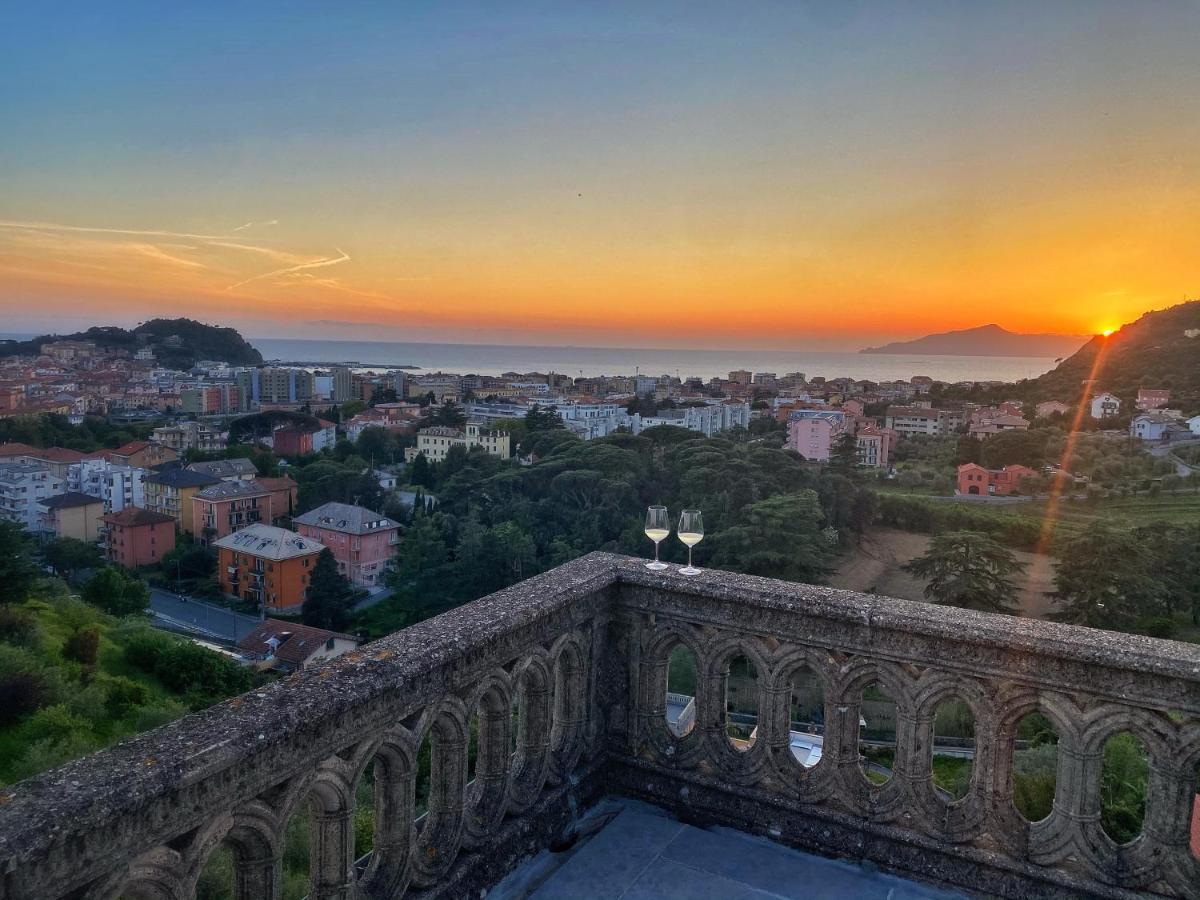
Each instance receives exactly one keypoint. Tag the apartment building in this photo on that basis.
(117, 486)
(227, 507)
(267, 565)
(362, 541)
(184, 436)
(922, 420)
(275, 385)
(170, 492)
(23, 486)
(211, 400)
(874, 446)
(137, 537)
(240, 469)
(813, 432)
(72, 515)
(1104, 405)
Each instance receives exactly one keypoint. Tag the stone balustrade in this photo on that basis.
(540, 699)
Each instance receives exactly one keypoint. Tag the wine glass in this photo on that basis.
(657, 529)
(691, 532)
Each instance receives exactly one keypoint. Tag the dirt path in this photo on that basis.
(874, 567)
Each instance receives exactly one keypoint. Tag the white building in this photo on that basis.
(1105, 405)
(22, 487)
(118, 486)
(435, 443)
(708, 420)
(1194, 424)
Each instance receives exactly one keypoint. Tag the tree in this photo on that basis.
(376, 445)
(419, 472)
(83, 645)
(69, 555)
(781, 537)
(969, 570)
(1105, 579)
(117, 592)
(969, 449)
(449, 414)
(17, 571)
(383, 395)
(844, 458)
(542, 419)
(330, 598)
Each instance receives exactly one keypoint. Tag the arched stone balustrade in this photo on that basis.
(584, 653)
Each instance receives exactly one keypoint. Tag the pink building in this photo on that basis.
(813, 432)
(1148, 399)
(138, 537)
(363, 542)
(874, 445)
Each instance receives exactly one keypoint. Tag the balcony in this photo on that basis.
(583, 653)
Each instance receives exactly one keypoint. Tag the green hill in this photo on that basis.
(177, 343)
(1156, 351)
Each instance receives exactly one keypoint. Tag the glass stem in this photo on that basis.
(656, 551)
(689, 556)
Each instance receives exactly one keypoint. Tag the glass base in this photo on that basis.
(690, 570)
(657, 566)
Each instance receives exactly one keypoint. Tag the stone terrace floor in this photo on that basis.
(636, 852)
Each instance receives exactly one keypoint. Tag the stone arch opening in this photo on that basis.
(806, 717)
(489, 757)
(741, 702)
(218, 878)
(1035, 766)
(570, 697)
(953, 748)
(531, 732)
(683, 677)
(877, 733)
(1124, 778)
(438, 826)
(1194, 834)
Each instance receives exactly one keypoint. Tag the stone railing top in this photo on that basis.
(96, 791)
(91, 792)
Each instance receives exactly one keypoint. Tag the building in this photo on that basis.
(284, 492)
(363, 542)
(73, 515)
(240, 469)
(291, 646)
(142, 454)
(184, 436)
(435, 442)
(988, 427)
(211, 400)
(913, 420)
(1193, 425)
(974, 479)
(813, 432)
(740, 376)
(266, 565)
(276, 386)
(708, 419)
(137, 537)
(874, 446)
(1148, 399)
(1104, 406)
(300, 440)
(118, 486)
(1049, 407)
(170, 492)
(23, 486)
(1156, 426)
(228, 507)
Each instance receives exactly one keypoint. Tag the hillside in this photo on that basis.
(196, 341)
(1153, 352)
(986, 340)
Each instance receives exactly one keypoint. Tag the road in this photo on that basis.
(202, 619)
(1167, 451)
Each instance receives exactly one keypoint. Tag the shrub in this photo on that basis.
(20, 694)
(83, 645)
(19, 627)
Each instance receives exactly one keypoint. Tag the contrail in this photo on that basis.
(318, 264)
(50, 226)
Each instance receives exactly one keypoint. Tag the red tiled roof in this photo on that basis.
(132, 516)
(18, 449)
(301, 642)
(131, 448)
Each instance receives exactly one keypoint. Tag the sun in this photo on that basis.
(1108, 331)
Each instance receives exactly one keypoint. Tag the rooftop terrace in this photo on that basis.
(539, 705)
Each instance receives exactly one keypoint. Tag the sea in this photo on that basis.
(496, 359)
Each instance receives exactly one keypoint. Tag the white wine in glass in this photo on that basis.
(657, 529)
(691, 532)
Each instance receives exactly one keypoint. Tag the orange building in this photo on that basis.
(974, 479)
(138, 537)
(267, 565)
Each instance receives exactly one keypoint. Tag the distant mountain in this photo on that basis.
(177, 343)
(1160, 350)
(986, 340)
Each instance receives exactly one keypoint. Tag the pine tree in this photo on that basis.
(330, 597)
(844, 457)
(969, 570)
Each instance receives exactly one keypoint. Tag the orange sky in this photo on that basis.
(818, 182)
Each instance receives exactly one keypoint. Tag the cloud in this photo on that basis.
(157, 253)
(51, 226)
(258, 224)
(315, 264)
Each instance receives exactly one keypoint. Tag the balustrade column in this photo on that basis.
(258, 879)
(331, 854)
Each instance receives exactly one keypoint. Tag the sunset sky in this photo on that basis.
(771, 174)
